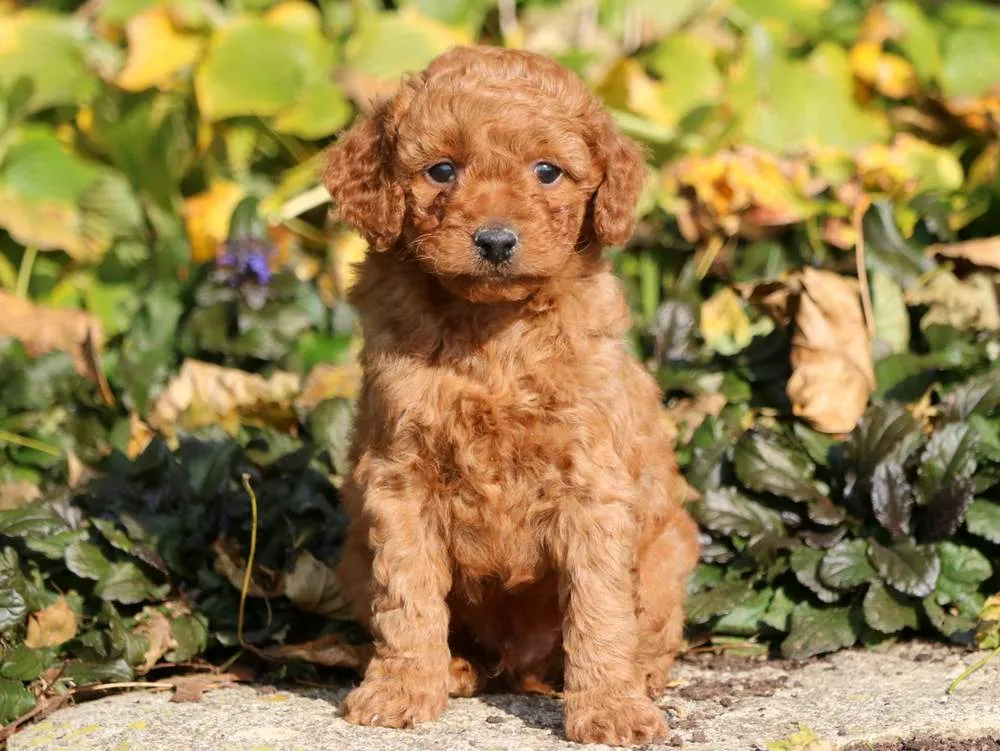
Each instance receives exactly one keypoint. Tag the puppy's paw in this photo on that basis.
(630, 721)
(396, 701)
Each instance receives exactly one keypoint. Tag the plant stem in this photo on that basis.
(977, 665)
(29, 443)
(253, 552)
(24, 272)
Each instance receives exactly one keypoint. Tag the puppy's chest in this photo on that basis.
(500, 453)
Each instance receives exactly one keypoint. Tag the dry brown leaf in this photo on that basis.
(329, 651)
(156, 629)
(313, 586)
(204, 394)
(962, 304)
(16, 494)
(832, 372)
(191, 688)
(51, 626)
(42, 330)
(686, 415)
(228, 564)
(984, 251)
(139, 435)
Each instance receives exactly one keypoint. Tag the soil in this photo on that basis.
(929, 743)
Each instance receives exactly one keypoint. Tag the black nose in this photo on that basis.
(496, 244)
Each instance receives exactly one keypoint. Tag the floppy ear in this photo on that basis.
(358, 174)
(624, 175)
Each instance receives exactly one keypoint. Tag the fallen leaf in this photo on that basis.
(228, 565)
(984, 251)
(969, 303)
(42, 330)
(832, 373)
(725, 325)
(157, 52)
(18, 493)
(139, 435)
(329, 651)
(206, 394)
(156, 629)
(313, 586)
(191, 688)
(51, 626)
(207, 216)
(685, 416)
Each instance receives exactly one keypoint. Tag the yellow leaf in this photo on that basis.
(725, 324)
(207, 218)
(962, 304)
(329, 381)
(51, 626)
(628, 87)
(348, 251)
(157, 52)
(887, 73)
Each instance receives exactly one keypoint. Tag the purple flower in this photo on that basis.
(245, 261)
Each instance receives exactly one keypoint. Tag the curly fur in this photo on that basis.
(514, 502)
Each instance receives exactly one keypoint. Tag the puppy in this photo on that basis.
(514, 499)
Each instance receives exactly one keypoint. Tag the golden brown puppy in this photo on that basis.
(514, 501)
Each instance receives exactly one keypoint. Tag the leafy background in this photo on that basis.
(174, 332)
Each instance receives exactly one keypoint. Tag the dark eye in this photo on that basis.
(442, 172)
(547, 173)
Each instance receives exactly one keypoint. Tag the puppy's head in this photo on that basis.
(493, 168)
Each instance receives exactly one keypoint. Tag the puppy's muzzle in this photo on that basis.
(496, 243)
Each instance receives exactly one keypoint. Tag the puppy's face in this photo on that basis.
(493, 169)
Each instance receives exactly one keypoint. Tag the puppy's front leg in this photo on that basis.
(605, 702)
(407, 680)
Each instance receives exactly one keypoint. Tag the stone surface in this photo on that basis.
(718, 705)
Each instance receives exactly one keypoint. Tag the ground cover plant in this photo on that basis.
(814, 281)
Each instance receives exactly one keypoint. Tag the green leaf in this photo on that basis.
(951, 622)
(50, 51)
(322, 109)
(33, 520)
(24, 663)
(15, 700)
(805, 562)
(978, 395)
(87, 561)
(919, 37)
(971, 62)
(950, 456)
(730, 513)
(13, 609)
(256, 66)
(191, 634)
(963, 564)
(784, 103)
(846, 565)
(892, 497)
(85, 673)
(892, 320)
(779, 611)
(983, 519)
(126, 583)
(886, 432)
(888, 612)
(906, 566)
(815, 631)
(54, 545)
(767, 463)
(745, 618)
(724, 598)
